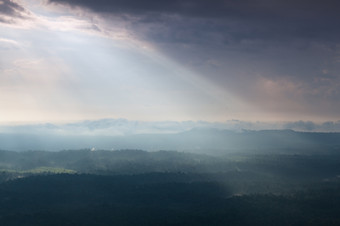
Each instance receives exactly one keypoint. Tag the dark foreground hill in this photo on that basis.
(157, 199)
(134, 187)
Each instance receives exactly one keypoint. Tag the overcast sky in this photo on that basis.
(253, 60)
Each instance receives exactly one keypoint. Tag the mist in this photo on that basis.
(174, 112)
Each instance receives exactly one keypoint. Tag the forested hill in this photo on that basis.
(195, 140)
(135, 187)
(259, 173)
(115, 188)
(157, 199)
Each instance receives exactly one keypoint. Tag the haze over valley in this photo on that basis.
(174, 112)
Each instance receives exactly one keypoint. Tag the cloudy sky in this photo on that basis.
(216, 60)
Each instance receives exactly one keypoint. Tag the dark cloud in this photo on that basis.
(218, 27)
(10, 8)
(200, 8)
(212, 8)
(255, 19)
(282, 56)
(10, 11)
(213, 29)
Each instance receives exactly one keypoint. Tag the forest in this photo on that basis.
(135, 187)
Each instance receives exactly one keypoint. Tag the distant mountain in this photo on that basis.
(115, 127)
(199, 140)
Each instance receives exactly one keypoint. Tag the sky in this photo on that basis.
(181, 60)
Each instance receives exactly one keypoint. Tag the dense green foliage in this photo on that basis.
(157, 199)
(244, 173)
(133, 187)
